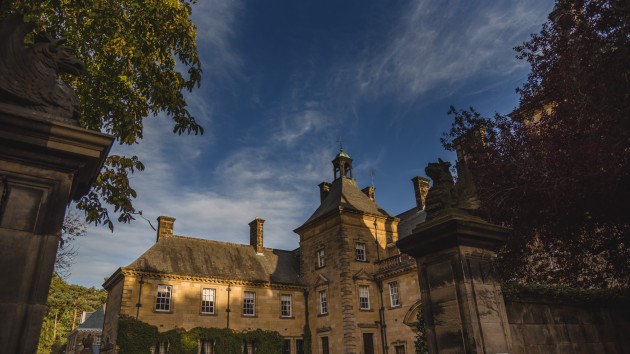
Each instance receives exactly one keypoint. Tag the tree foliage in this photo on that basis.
(557, 169)
(65, 304)
(140, 56)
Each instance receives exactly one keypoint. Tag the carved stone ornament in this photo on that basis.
(28, 75)
(445, 194)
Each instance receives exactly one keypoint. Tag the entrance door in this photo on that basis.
(368, 343)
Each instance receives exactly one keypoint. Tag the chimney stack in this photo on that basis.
(256, 234)
(324, 189)
(165, 227)
(369, 191)
(421, 188)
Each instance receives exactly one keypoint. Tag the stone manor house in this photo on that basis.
(347, 280)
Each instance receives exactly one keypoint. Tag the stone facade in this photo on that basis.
(347, 280)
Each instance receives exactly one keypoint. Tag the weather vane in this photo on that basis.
(340, 144)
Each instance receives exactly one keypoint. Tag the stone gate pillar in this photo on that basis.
(462, 301)
(44, 164)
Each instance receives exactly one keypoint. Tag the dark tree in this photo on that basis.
(557, 169)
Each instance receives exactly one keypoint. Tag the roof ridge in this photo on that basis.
(224, 242)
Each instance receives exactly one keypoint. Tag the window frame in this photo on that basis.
(323, 303)
(282, 305)
(360, 252)
(364, 300)
(321, 257)
(213, 302)
(246, 304)
(163, 306)
(396, 293)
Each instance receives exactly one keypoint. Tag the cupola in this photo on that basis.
(342, 165)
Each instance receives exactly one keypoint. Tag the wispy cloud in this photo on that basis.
(216, 22)
(437, 47)
(296, 125)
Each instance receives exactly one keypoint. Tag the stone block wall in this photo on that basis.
(541, 326)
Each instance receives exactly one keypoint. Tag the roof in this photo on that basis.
(344, 193)
(94, 320)
(409, 220)
(342, 154)
(213, 259)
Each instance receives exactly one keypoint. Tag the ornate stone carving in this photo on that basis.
(28, 75)
(445, 193)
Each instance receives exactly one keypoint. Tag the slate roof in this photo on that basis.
(94, 321)
(409, 220)
(214, 259)
(345, 193)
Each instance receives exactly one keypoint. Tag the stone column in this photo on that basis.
(44, 164)
(463, 303)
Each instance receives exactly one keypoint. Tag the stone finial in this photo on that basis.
(369, 191)
(28, 75)
(165, 227)
(421, 189)
(324, 189)
(256, 234)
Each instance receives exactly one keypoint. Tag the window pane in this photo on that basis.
(360, 251)
(163, 298)
(394, 296)
(321, 258)
(364, 297)
(323, 302)
(400, 349)
(325, 345)
(286, 346)
(249, 303)
(207, 300)
(285, 305)
(299, 346)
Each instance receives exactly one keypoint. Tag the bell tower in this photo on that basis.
(342, 165)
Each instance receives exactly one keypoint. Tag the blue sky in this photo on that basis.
(283, 81)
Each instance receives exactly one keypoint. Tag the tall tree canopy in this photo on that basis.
(140, 56)
(557, 169)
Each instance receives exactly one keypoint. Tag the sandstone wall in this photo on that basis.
(540, 326)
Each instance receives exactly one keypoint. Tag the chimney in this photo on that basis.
(369, 191)
(256, 234)
(165, 227)
(324, 189)
(421, 188)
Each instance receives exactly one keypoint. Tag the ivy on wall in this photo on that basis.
(421, 337)
(137, 337)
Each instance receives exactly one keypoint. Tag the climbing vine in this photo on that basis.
(137, 337)
(421, 338)
(307, 339)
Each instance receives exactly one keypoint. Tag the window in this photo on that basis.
(394, 298)
(299, 346)
(325, 349)
(359, 251)
(285, 305)
(163, 299)
(206, 346)
(207, 301)
(249, 303)
(321, 258)
(399, 349)
(323, 303)
(364, 297)
(97, 341)
(286, 346)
